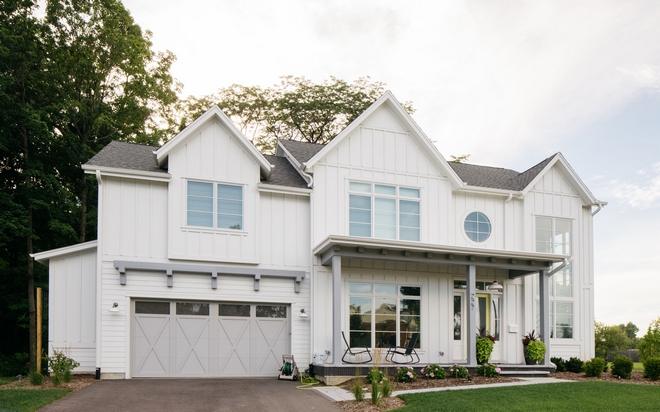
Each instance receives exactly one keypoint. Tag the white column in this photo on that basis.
(544, 308)
(470, 280)
(336, 311)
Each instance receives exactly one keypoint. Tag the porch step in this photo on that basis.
(525, 373)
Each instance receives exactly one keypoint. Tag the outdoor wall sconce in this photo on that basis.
(303, 315)
(115, 307)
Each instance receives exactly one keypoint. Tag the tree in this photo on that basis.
(296, 108)
(609, 338)
(460, 159)
(113, 86)
(649, 344)
(630, 330)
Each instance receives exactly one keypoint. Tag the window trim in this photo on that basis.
(396, 197)
(467, 236)
(214, 229)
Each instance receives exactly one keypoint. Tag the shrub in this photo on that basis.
(622, 367)
(386, 389)
(406, 374)
(357, 390)
(62, 366)
(488, 370)
(36, 378)
(458, 371)
(574, 365)
(536, 350)
(433, 371)
(649, 345)
(18, 364)
(560, 363)
(484, 349)
(376, 375)
(652, 368)
(376, 393)
(594, 367)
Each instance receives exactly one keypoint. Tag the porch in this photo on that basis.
(512, 264)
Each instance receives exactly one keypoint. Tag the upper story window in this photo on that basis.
(215, 205)
(553, 235)
(383, 211)
(477, 227)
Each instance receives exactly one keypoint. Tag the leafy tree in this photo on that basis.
(296, 108)
(459, 159)
(608, 338)
(631, 331)
(649, 344)
(113, 86)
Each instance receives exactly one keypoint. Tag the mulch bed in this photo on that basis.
(636, 378)
(78, 382)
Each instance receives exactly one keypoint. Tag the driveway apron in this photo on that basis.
(193, 395)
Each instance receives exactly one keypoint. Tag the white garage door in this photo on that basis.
(200, 339)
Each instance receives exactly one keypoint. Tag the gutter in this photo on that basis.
(599, 206)
(558, 268)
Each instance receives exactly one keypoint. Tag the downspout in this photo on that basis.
(599, 206)
(309, 178)
(99, 304)
(506, 202)
(558, 268)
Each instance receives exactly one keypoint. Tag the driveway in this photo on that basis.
(193, 395)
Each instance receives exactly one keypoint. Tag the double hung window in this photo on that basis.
(214, 205)
(384, 211)
(383, 314)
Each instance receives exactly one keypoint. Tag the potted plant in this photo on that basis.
(485, 342)
(535, 352)
(526, 340)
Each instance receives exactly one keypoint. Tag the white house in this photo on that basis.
(213, 259)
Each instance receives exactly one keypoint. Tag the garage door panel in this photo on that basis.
(234, 337)
(151, 348)
(192, 347)
(270, 342)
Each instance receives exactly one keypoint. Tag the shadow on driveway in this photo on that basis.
(193, 395)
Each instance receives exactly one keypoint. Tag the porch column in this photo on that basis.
(544, 305)
(336, 311)
(471, 276)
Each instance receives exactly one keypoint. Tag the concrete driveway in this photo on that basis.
(193, 395)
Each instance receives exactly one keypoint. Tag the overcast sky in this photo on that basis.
(509, 82)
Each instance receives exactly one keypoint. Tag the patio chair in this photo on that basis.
(354, 353)
(409, 353)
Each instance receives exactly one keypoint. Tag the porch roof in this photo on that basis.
(518, 263)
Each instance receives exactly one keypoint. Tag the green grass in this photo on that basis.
(574, 396)
(26, 400)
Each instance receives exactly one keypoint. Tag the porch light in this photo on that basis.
(303, 315)
(495, 287)
(115, 307)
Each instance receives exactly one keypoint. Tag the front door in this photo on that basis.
(489, 319)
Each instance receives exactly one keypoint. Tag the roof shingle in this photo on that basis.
(132, 156)
(302, 151)
(283, 174)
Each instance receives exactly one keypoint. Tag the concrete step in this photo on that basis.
(525, 373)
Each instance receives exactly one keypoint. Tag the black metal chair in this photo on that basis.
(350, 351)
(408, 352)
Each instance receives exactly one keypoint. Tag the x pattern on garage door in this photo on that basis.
(199, 339)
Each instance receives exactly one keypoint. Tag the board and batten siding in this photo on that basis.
(284, 236)
(72, 308)
(384, 154)
(553, 196)
(213, 155)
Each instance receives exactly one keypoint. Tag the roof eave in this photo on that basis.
(45, 256)
(131, 173)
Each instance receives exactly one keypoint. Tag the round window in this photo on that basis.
(477, 227)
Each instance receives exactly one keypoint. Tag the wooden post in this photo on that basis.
(39, 319)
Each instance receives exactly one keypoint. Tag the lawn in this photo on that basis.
(578, 396)
(26, 400)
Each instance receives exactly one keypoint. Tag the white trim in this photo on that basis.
(287, 190)
(402, 116)
(44, 257)
(214, 113)
(489, 191)
(566, 169)
(127, 173)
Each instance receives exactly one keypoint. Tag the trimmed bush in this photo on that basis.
(594, 367)
(406, 374)
(375, 374)
(488, 370)
(458, 371)
(560, 363)
(433, 371)
(622, 367)
(652, 368)
(36, 378)
(574, 365)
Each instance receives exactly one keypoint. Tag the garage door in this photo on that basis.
(204, 339)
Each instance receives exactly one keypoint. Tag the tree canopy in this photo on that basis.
(296, 108)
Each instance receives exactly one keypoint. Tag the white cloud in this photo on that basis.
(644, 194)
(645, 76)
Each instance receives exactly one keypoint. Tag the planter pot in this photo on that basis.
(528, 361)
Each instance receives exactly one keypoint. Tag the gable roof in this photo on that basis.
(496, 177)
(214, 113)
(123, 155)
(301, 151)
(388, 100)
